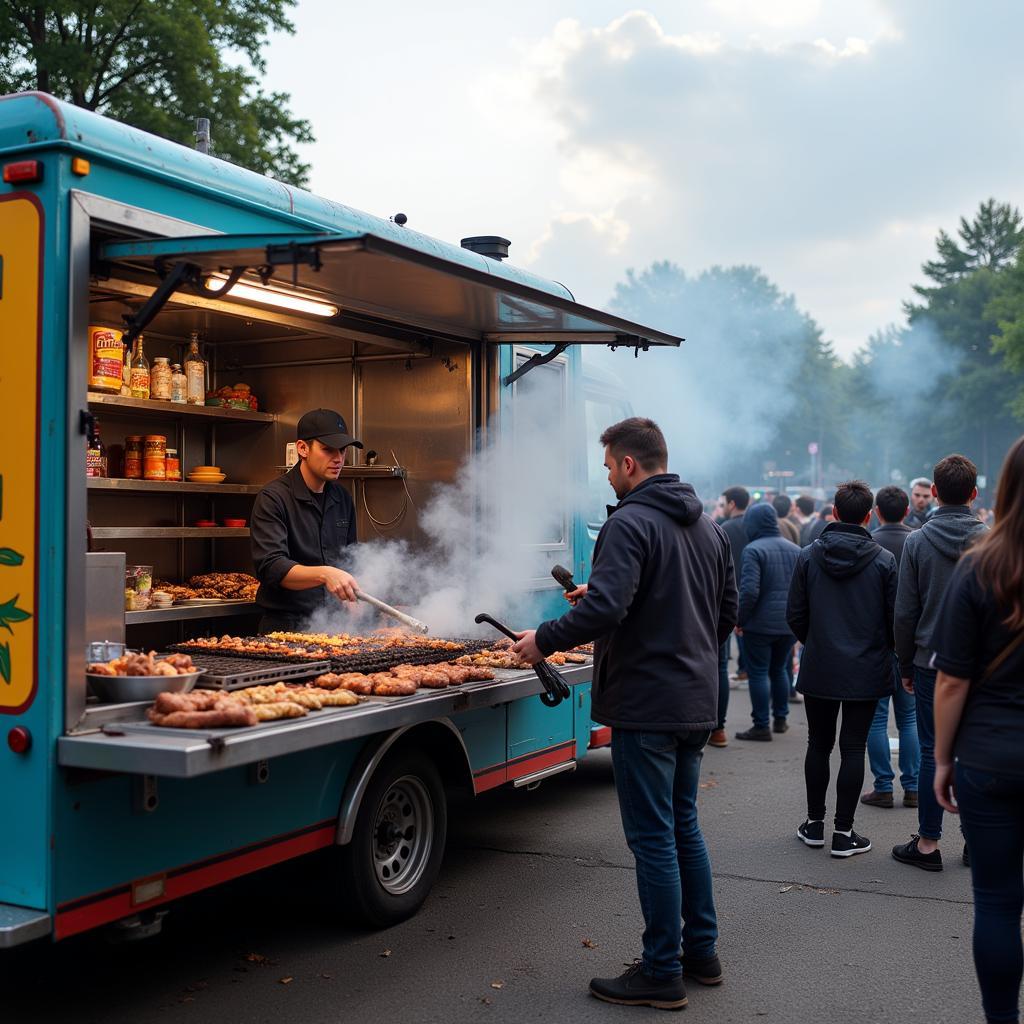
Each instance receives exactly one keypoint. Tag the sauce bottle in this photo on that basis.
(96, 455)
(195, 372)
(138, 382)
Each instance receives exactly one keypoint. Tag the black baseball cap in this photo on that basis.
(327, 426)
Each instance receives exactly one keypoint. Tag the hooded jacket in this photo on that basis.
(892, 537)
(768, 563)
(660, 600)
(841, 603)
(929, 558)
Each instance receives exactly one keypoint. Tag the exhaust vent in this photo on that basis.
(493, 246)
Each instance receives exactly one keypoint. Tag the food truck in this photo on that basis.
(294, 302)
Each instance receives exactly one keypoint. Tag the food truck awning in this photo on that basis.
(435, 288)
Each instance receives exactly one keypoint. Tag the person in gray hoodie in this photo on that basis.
(929, 557)
(768, 563)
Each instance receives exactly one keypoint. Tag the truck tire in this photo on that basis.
(397, 845)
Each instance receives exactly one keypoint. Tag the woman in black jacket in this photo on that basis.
(841, 602)
(979, 721)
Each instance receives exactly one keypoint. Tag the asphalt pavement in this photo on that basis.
(537, 895)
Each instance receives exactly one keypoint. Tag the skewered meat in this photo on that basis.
(280, 709)
(387, 685)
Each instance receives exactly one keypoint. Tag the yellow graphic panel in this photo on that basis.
(20, 266)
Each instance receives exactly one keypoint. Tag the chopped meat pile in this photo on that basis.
(133, 663)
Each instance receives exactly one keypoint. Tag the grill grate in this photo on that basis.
(223, 673)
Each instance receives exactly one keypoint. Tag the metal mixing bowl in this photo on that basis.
(124, 689)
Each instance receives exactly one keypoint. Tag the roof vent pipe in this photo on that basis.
(202, 134)
(493, 246)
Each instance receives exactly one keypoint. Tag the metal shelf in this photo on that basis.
(171, 487)
(180, 613)
(116, 405)
(167, 532)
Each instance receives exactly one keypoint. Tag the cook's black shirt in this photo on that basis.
(969, 636)
(293, 526)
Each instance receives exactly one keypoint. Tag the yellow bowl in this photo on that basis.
(205, 469)
(207, 478)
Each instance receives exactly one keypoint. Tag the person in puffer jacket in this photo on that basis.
(768, 563)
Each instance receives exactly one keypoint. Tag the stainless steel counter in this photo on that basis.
(140, 748)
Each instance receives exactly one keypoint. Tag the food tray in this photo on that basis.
(224, 673)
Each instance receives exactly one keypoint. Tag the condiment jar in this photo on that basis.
(154, 457)
(133, 457)
(173, 464)
(106, 351)
(160, 380)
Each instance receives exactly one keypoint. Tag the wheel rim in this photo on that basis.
(403, 835)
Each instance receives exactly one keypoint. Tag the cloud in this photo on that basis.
(821, 158)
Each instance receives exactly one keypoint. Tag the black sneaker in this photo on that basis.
(812, 833)
(849, 845)
(635, 988)
(756, 732)
(908, 853)
(707, 971)
(780, 725)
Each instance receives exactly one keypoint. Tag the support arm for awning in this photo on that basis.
(534, 361)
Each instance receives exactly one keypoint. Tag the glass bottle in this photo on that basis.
(179, 385)
(160, 379)
(195, 372)
(139, 380)
(96, 455)
(126, 371)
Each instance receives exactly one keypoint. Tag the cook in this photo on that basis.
(302, 523)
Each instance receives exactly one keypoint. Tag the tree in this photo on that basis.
(989, 242)
(159, 64)
(1007, 310)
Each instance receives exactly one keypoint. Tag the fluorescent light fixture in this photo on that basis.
(268, 296)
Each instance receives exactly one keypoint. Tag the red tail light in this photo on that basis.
(19, 739)
(24, 172)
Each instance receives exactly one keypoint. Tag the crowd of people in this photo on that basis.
(888, 599)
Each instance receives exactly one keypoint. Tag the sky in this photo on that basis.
(823, 142)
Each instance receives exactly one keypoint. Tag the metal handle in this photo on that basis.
(406, 620)
(563, 578)
(556, 688)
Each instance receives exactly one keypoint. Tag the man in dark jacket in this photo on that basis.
(891, 504)
(929, 558)
(814, 528)
(841, 603)
(921, 494)
(768, 563)
(734, 501)
(660, 600)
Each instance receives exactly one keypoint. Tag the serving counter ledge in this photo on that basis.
(137, 747)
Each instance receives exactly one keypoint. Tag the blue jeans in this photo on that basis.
(766, 668)
(929, 813)
(656, 777)
(723, 681)
(992, 816)
(880, 756)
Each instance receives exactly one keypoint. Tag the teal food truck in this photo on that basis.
(425, 348)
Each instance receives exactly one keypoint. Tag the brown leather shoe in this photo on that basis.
(875, 799)
(910, 798)
(718, 739)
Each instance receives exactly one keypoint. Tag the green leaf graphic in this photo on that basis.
(10, 612)
(8, 556)
(5, 662)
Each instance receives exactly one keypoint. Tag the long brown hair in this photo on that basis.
(999, 555)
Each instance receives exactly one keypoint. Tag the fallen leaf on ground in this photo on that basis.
(710, 784)
(589, 944)
(323, 974)
(786, 888)
(497, 984)
(257, 958)
(385, 954)
(286, 981)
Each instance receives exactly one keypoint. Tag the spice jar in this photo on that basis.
(154, 457)
(173, 464)
(133, 457)
(160, 380)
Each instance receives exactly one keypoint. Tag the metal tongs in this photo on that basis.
(555, 687)
(406, 620)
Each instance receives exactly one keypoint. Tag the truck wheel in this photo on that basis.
(397, 844)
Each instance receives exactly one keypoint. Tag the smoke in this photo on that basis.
(721, 397)
(491, 536)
